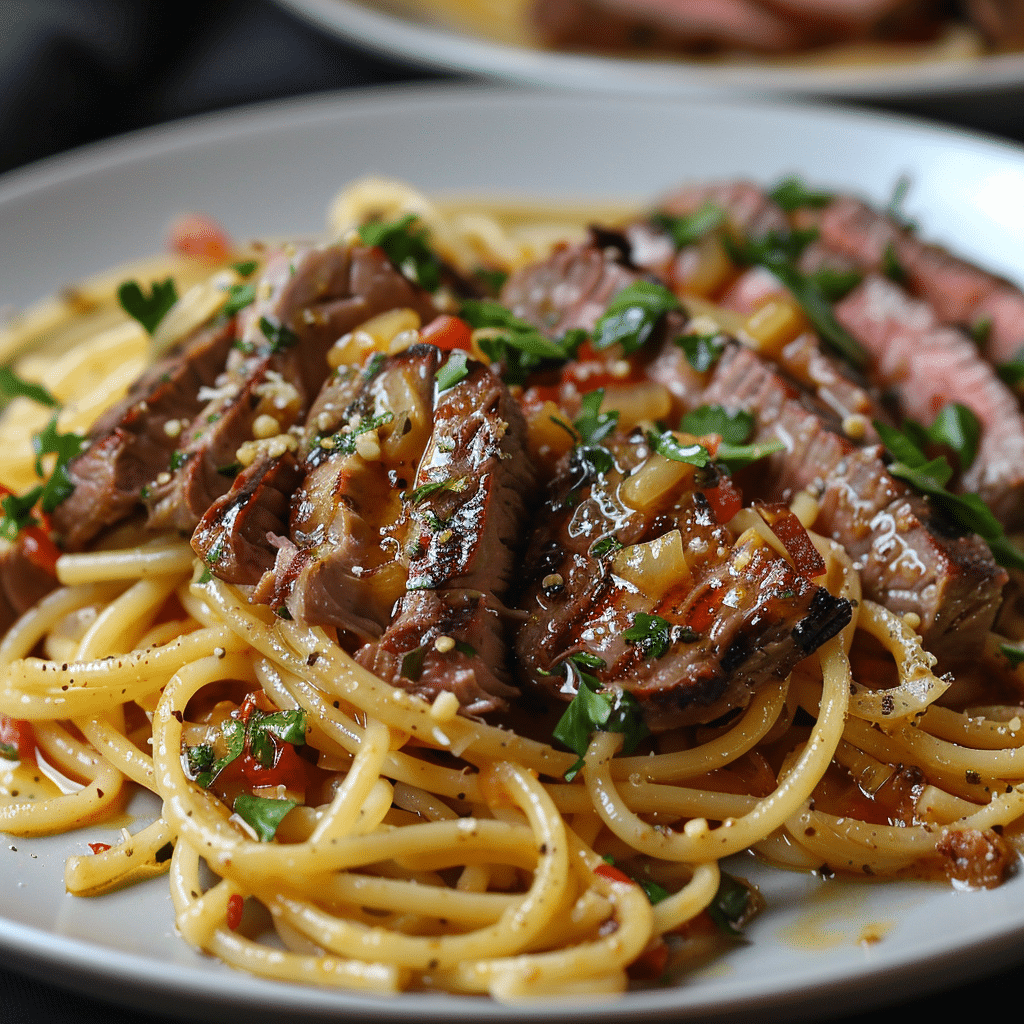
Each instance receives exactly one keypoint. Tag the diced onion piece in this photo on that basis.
(547, 435)
(655, 482)
(707, 318)
(656, 566)
(774, 324)
(375, 335)
(198, 305)
(639, 402)
(703, 268)
(385, 326)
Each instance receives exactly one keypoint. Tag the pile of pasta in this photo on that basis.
(447, 853)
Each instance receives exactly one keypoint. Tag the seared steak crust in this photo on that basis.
(465, 518)
(911, 559)
(132, 443)
(308, 299)
(735, 615)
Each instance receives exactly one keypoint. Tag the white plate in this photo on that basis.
(373, 24)
(272, 170)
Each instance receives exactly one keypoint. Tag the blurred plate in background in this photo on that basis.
(399, 33)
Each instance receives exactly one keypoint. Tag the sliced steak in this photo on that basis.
(465, 519)
(233, 537)
(343, 561)
(960, 292)
(929, 365)
(570, 289)
(134, 440)
(307, 299)
(735, 613)
(910, 558)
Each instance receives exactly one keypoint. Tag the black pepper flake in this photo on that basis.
(972, 777)
(178, 716)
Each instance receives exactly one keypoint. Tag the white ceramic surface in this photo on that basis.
(373, 24)
(272, 171)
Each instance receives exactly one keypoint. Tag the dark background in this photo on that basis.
(73, 71)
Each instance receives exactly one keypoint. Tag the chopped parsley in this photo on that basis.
(424, 491)
(257, 735)
(792, 194)
(891, 266)
(605, 546)
(1013, 654)
(930, 476)
(49, 441)
(149, 309)
(702, 351)
(18, 513)
(632, 316)
(654, 636)
(245, 268)
(344, 441)
(453, 371)
(592, 710)
(279, 336)
(731, 905)
(592, 425)
(692, 227)
(779, 252)
(735, 429)
(13, 386)
(239, 296)
(517, 345)
(1012, 372)
(262, 815)
(666, 444)
(405, 243)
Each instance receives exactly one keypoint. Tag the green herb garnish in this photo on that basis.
(149, 309)
(632, 316)
(405, 243)
(13, 386)
(262, 815)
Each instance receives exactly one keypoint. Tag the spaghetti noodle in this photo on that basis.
(391, 842)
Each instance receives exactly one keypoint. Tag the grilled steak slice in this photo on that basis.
(570, 289)
(960, 292)
(931, 365)
(345, 563)
(308, 298)
(234, 536)
(628, 535)
(910, 558)
(133, 441)
(465, 517)
(446, 640)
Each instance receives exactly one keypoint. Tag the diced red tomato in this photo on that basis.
(447, 332)
(613, 874)
(99, 847)
(725, 499)
(18, 736)
(37, 545)
(289, 769)
(195, 234)
(39, 549)
(236, 905)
